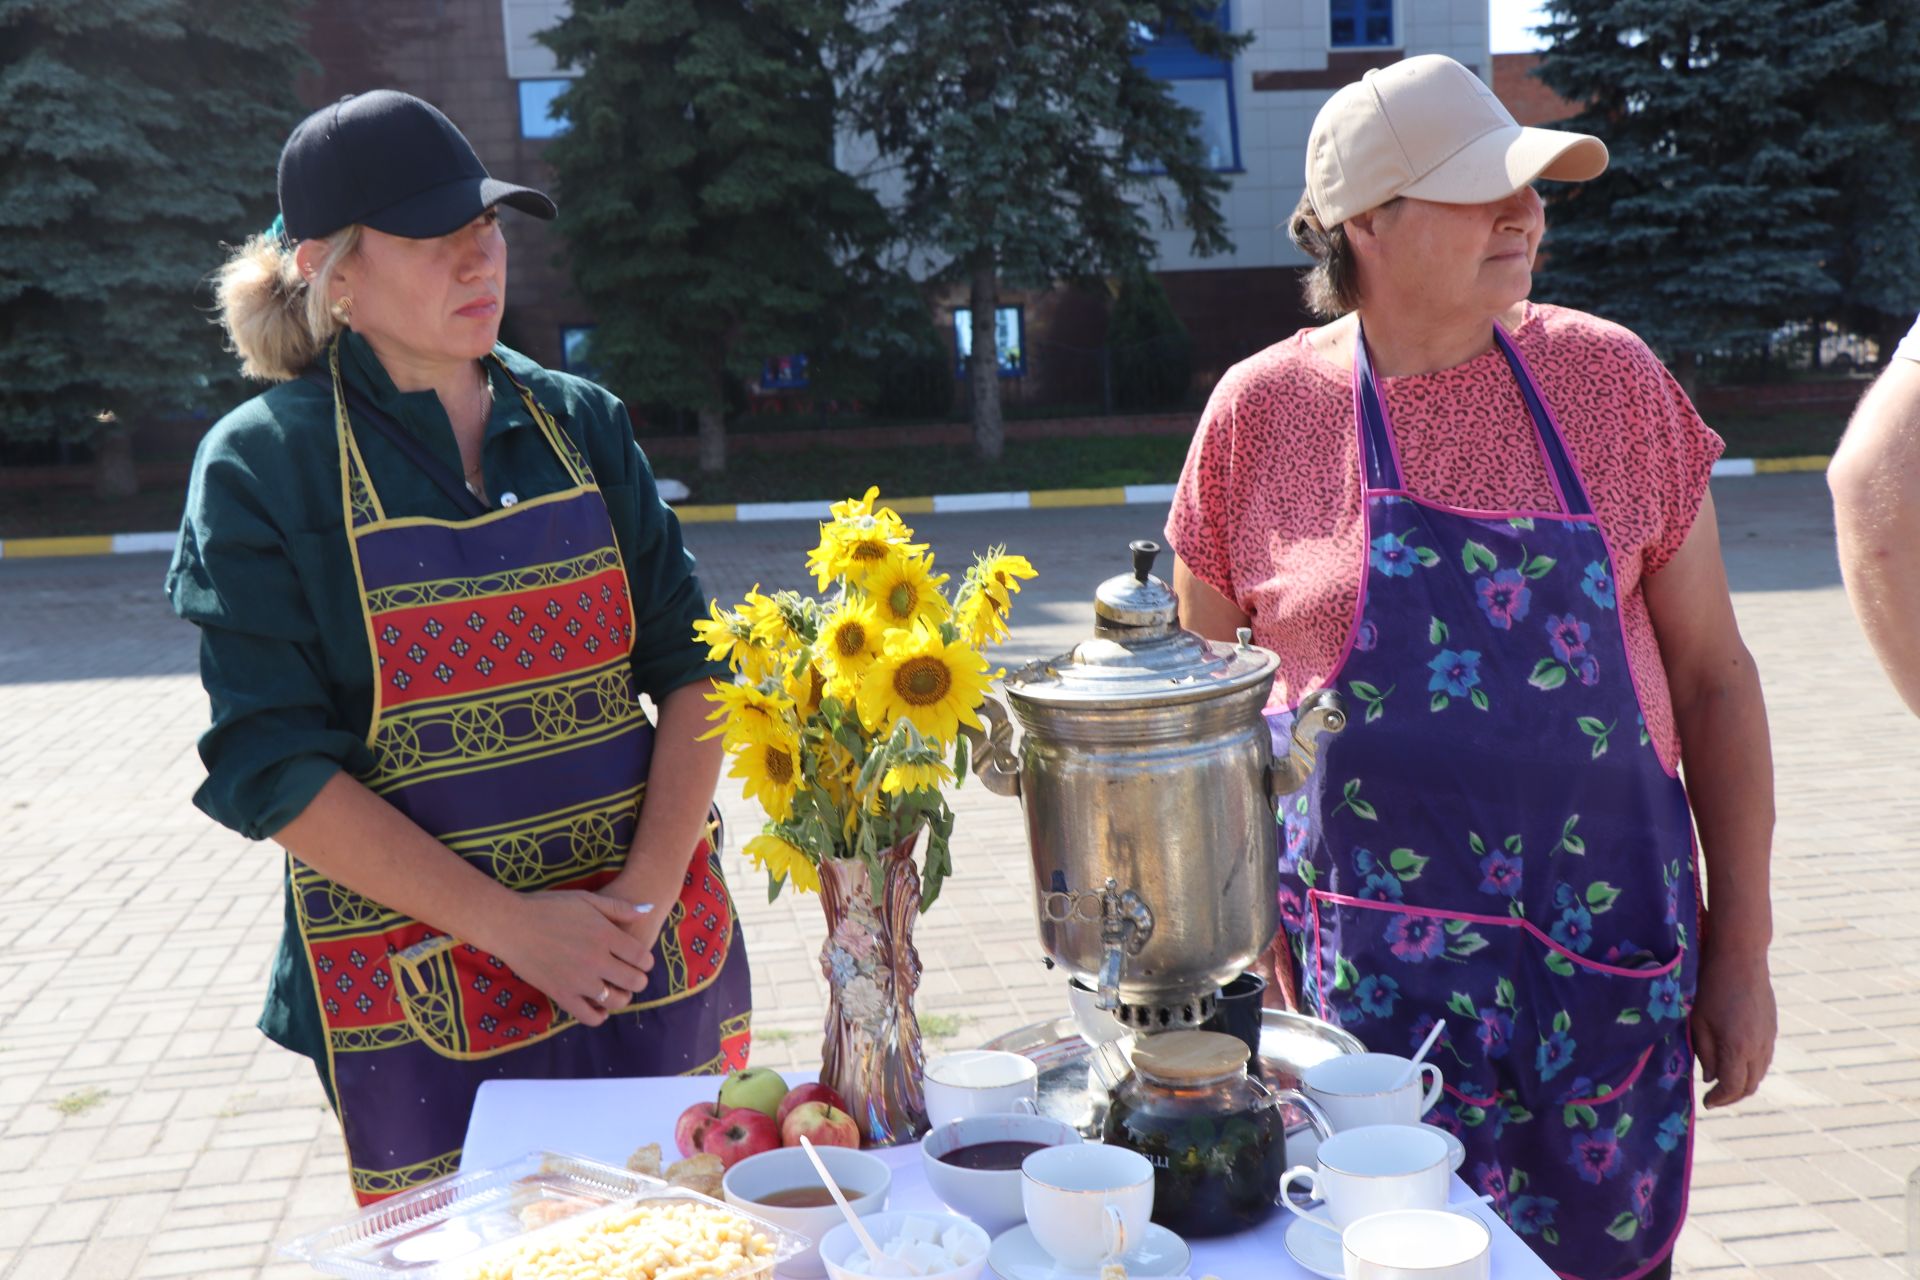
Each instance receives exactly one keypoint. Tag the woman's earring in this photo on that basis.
(343, 310)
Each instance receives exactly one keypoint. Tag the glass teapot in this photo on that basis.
(1216, 1137)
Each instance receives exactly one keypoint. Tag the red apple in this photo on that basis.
(740, 1133)
(694, 1122)
(814, 1092)
(820, 1124)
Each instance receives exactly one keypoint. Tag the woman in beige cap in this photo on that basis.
(1486, 523)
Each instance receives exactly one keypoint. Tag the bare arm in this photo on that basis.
(1203, 610)
(566, 944)
(1875, 478)
(1728, 758)
(680, 788)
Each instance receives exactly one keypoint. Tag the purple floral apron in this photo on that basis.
(1495, 840)
(506, 724)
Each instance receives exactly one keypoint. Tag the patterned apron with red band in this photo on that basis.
(1495, 840)
(506, 724)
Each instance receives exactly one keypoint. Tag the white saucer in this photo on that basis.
(1315, 1248)
(1016, 1255)
(1456, 1149)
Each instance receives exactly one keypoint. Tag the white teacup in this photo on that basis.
(1087, 1203)
(991, 1197)
(979, 1082)
(864, 1178)
(1417, 1244)
(1372, 1170)
(1359, 1089)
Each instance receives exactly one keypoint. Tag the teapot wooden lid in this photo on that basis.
(1189, 1057)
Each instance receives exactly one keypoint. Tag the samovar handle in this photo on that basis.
(994, 761)
(1321, 712)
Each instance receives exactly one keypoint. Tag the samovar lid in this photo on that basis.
(1139, 655)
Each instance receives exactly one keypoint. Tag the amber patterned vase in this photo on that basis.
(871, 1056)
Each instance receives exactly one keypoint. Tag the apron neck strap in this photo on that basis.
(1381, 450)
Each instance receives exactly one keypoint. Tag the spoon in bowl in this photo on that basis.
(874, 1251)
(1426, 1047)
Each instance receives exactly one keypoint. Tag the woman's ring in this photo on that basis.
(606, 993)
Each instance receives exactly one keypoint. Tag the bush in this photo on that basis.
(917, 380)
(1151, 354)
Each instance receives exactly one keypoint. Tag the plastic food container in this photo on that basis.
(449, 1228)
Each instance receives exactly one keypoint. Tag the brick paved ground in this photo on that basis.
(147, 1130)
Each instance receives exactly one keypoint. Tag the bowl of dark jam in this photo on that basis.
(973, 1163)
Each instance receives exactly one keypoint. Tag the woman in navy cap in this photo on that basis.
(432, 579)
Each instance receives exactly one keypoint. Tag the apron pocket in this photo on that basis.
(465, 1004)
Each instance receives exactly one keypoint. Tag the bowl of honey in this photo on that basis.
(973, 1163)
(782, 1187)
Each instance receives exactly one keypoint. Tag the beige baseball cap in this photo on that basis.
(1429, 128)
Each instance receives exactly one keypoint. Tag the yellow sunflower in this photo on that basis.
(983, 621)
(857, 508)
(805, 686)
(786, 861)
(855, 549)
(905, 591)
(771, 771)
(1000, 574)
(769, 623)
(746, 714)
(851, 638)
(922, 679)
(908, 776)
(723, 632)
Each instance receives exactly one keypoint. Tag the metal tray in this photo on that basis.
(1070, 1091)
(447, 1228)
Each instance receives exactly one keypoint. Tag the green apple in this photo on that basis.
(757, 1089)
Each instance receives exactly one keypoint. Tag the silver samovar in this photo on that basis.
(1147, 774)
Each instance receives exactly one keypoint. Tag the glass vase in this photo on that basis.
(871, 1056)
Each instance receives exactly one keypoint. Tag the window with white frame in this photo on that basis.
(1009, 339)
(538, 117)
(1200, 82)
(1361, 24)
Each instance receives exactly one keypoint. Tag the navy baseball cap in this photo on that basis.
(392, 162)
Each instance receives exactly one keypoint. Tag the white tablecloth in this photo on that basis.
(607, 1119)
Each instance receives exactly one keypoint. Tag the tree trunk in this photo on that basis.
(1686, 371)
(983, 368)
(713, 440)
(114, 476)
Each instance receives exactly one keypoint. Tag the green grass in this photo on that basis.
(80, 1101)
(904, 470)
(1793, 434)
(776, 1035)
(942, 1026)
(911, 470)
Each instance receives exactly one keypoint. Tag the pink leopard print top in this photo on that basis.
(1268, 509)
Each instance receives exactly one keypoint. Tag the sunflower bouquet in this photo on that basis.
(845, 717)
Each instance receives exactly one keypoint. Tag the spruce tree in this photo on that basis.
(1713, 224)
(1028, 147)
(1875, 258)
(136, 138)
(707, 224)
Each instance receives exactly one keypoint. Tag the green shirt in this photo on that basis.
(264, 570)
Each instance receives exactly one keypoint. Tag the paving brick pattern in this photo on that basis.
(147, 1130)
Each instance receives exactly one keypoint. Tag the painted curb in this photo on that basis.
(751, 512)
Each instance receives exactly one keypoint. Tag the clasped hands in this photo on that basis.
(589, 951)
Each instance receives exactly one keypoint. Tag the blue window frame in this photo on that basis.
(1360, 24)
(1198, 81)
(1009, 333)
(538, 119)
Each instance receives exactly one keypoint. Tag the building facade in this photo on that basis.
(482, 63)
